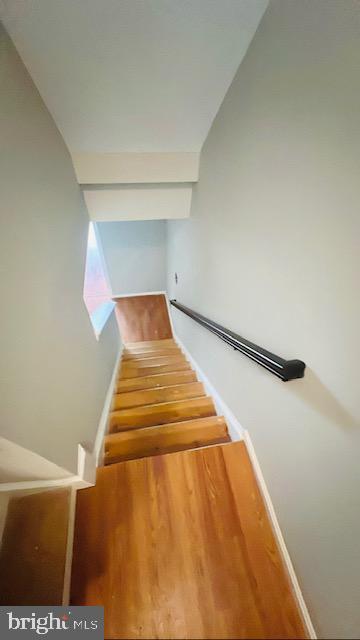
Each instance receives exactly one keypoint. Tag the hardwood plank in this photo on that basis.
(143, 318)
(161, 394)
(33, 551)
(148, 362)
(150, 353)
(151, 344)
(127, 445)
(154, 414)
(238, 469)
(157, 380)
(179, 365)
(180, 546)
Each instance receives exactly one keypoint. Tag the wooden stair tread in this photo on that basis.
(166, 438)
(159, 394)
(150, 343)
(151, 415)
(156, 380)
(140, 363)
(150, 353)
(137, 372)
(183, 545)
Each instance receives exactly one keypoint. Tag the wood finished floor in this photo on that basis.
(33, 551)
(180, 546)
(143, 318)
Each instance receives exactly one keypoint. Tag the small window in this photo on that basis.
(97, 294)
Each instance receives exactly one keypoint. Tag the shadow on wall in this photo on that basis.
(18, 464)
(314, 393)
(135, 255)
(132, 233)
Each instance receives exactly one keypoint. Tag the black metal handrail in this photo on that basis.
(283, 369)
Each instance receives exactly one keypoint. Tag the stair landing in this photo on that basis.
(180, 546)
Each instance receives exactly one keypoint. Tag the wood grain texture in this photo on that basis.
(150, 353)
(157, 380)
(161, 394)
(142, 363)
(134, 372)
(143, 318)
(150, 344)
(33, 552)
(127, 445)
(180, 546)
(154, 414)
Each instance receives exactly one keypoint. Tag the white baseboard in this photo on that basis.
(236, 431)
(279, 536)
(98, 446)
(169, 313)
(141, 293)
(88, 461)
(28, 485)
(69, 548)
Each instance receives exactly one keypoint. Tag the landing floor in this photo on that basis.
(180, 546)
(143, 318)
(33, 550)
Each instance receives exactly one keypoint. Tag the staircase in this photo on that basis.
(174, 539)
(159, 406)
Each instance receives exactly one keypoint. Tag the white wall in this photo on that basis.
(138, 202)
(272, 252)
(21, 465)
(129, 168)
(135, 255)
(132, 75)
(53, 373)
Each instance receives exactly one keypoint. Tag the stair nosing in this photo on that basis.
(216, 443)
(168, 424)
(155, 375)
(145, 375)
(145, 360)
(168, 386)
(158, 404)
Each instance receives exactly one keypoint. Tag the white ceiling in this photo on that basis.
(132, 75)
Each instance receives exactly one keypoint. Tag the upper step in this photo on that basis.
(180, 364)
(140, 354)
(140, 363)
(157, 380)
(167, 438)
(151, 343)
(157, 395)
(154, 414)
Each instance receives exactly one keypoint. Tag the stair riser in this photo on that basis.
(161, 450)
(149, 362)
(151, 344)
(161, 414)
(153, 370)
(159, 380)
(140, 355)
(153, 396)
(165, 439)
